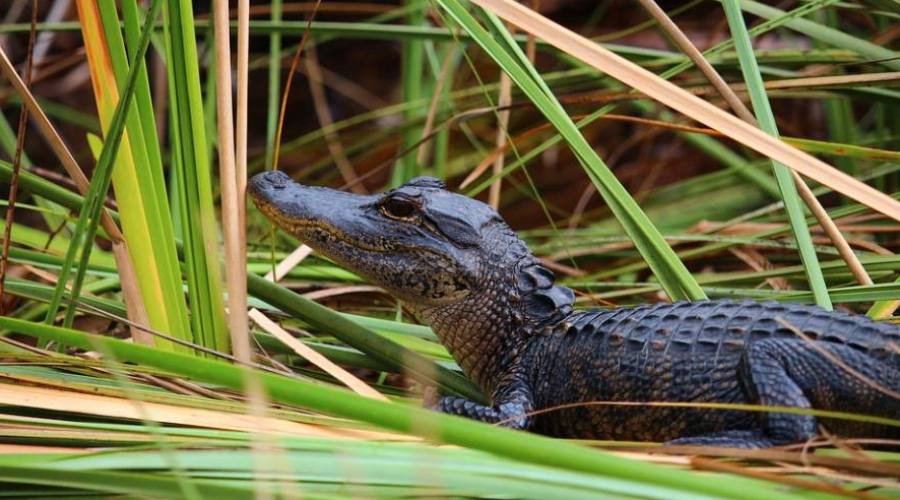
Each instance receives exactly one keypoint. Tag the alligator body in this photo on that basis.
(589, 375)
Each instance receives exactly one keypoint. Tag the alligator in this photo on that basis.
(637, 374)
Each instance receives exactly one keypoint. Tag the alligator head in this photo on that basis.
(450, 258)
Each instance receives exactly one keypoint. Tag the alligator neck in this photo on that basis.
(483, 338)
(487, 332)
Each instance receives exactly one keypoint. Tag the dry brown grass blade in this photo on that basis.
(311, 355)
(831, 229)
(427, 129)
(758, 262)
(802, 83)
(341, 290)
(131, 294)
(240, 150)
(561, 268)
(829, 81)
(289, 262)
(503, 102)
(13, 449)
(684, 102)
(235, 267)
(241, 108)
(684, 43)
(751, 228)
(92, 404)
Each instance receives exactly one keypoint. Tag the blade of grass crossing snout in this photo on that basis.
(194, 185)
(138, 176)
(669, 270)
(86, 227)
(530, 448)
(792, 203)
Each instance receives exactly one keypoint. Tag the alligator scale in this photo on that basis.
(514, 332)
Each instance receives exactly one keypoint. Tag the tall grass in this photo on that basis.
(683, 213)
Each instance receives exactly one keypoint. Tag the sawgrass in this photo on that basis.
(322, 440)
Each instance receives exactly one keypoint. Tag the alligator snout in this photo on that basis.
(271, 179)
(291, 204)
(275, 191)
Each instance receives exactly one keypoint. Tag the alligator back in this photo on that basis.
(722, 328)
(691, 352)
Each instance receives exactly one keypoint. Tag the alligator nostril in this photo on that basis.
(274, 178)
(278, 178)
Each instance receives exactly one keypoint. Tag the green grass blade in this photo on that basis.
(194, 186)
(39, 186)
(792, 203)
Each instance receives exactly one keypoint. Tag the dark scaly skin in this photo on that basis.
(514, 332)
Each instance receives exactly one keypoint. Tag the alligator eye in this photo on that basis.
(398, 207)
